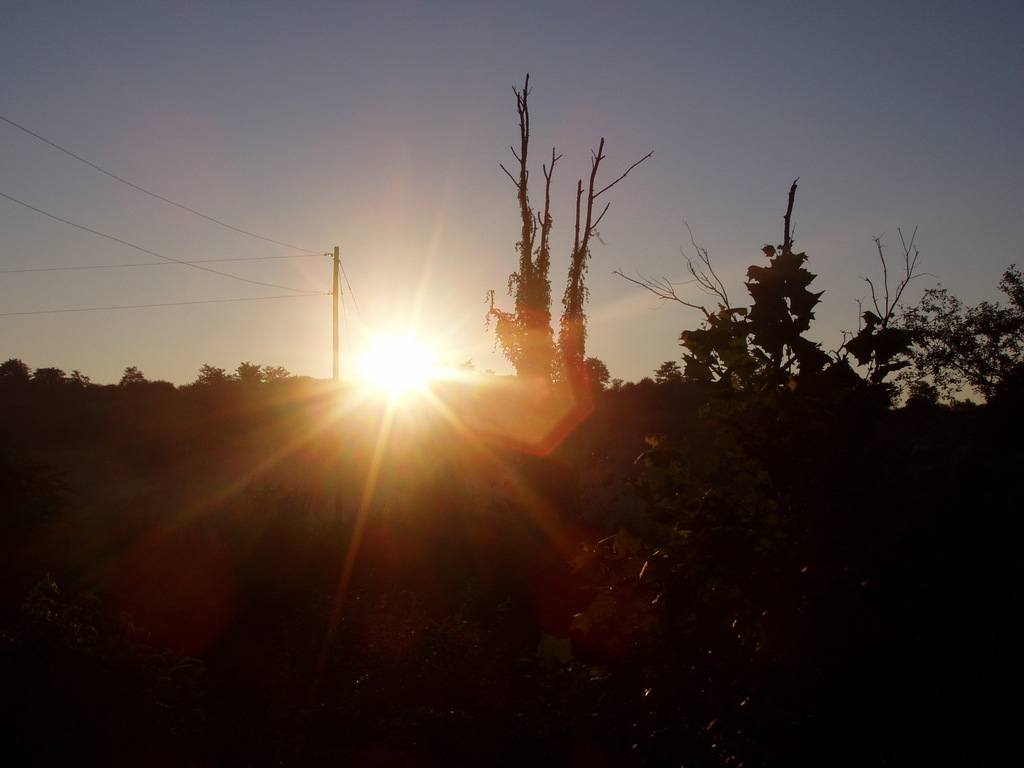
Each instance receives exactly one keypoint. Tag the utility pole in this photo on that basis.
(336, 500)
(334, 293)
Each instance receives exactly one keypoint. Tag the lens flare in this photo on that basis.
(397, 364)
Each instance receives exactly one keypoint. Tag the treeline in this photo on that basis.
(15, 374)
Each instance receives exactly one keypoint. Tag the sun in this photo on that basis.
(397, 364)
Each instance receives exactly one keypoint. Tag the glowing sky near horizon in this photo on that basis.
(379, 127)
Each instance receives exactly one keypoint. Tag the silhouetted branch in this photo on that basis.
(911, 257)
(787, 242)
(704, 276)
(662, 287)
(625, 174)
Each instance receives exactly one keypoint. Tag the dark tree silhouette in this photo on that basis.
(274, 373)
(132, 376)
(249, 373)
(212, 375)
(668, 372)
(597, 373)
(49, 377)
(980, 347)
(14, 373)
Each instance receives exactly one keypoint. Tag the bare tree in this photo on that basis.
(572, 335)
(525, 334)
(891, 295)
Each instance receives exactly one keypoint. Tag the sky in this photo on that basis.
(380, 127)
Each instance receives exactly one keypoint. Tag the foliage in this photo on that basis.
(980, 347)
(31, 494)
(668, 372)
(44, 377)
(881, 344)
(249, 373)
(597, 373)
(764, 346)
(49, 377)
(752, 519)
(14, 373)
(274, 373)
(210, 375)
(246, 373)
(132, 376)
(67, 666)
(881, 347)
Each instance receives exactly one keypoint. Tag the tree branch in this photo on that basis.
(787, 242)
(911, 258)
(705, 277)
(624, 175)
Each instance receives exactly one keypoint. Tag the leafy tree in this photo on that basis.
(762, 346)
(750, 348)
(14, 374)
(921, 394)
(668, 372)
(979, 347)
(765, 344)
(55, 377)
(274, 373)
(597, 373)
(49, 377)
(210, 375)
(132, 376)
(249, 373)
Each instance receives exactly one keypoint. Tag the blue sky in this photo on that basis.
(379, 127)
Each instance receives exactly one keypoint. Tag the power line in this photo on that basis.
(153, 194)
(349, 286)
(144, 306)
(154, 253)
(158, 263)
